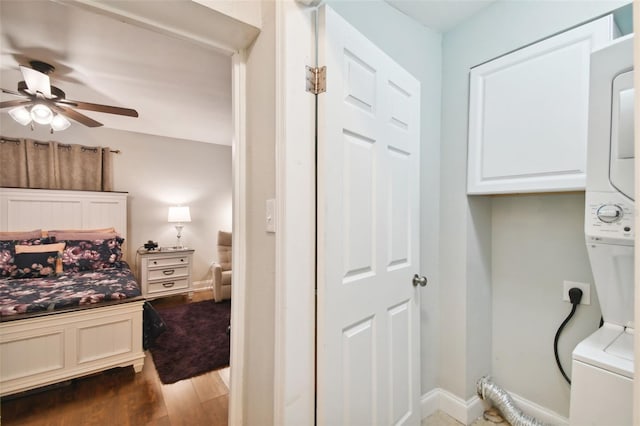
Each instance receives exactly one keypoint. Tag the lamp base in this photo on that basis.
(179, 229)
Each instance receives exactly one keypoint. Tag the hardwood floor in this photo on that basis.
(121, 397)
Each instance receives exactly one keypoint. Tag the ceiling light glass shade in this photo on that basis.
(179, 214)
(21, 115)
(59, 123)
(41, 114)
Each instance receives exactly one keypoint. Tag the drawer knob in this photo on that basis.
(181, 260)
(155, 262)
(168, 271)
(171, 284)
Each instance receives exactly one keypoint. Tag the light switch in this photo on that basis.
(271, 215)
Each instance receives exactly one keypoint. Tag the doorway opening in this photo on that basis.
(164, 167)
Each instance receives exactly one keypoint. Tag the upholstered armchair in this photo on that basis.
(221, 270)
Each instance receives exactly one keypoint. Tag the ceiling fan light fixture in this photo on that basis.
(21, 115)
(41, 114)
(36, 90)
(59, 123)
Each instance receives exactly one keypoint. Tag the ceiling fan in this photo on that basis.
(44, 100)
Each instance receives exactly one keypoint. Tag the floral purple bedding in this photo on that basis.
(67, 290)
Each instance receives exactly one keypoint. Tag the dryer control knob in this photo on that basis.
(609, 213)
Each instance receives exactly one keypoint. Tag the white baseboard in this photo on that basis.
(202, 285)
(429, 403)
(539, 412)
(463, 411)
(467, 411)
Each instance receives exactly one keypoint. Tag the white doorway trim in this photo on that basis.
(215, 26)
(239, 247)
(294, 356)
(636, 60)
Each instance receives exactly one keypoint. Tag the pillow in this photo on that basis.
(79, 231)
(63, 236)
(8, 252)
(112, 229)
(82, 234)
(39, 248)
(85, 255)
(21, 235)
(35, 264)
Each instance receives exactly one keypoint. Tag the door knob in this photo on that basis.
(418, 280)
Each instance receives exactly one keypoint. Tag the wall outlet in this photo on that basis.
(586, 291)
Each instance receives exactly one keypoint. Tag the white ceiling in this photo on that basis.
(440, 15)
(180, 89)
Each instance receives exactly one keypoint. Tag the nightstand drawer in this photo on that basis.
(168, 261)
(166, 286)
(167, 273)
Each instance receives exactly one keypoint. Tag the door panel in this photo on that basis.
(359, 373)
(399, 236)
(368, 211)
(357, 188)
(360, 79)
(400, 348)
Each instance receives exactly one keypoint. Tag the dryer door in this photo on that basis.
(612, 267)
(622, 121)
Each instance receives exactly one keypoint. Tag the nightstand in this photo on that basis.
(165, 272)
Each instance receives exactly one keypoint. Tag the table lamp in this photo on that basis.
(179, 215)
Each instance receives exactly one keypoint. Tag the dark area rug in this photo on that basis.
(195, 341)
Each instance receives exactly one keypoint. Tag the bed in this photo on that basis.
(79, 321)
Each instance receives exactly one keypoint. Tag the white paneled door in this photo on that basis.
(368, 370)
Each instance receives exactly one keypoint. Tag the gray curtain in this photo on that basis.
(41, 165)
(13, 163)
(79, 167)
(107, 169)
(27, 163)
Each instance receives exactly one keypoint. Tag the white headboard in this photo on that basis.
(28, 209)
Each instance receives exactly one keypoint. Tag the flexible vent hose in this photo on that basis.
(488, 390)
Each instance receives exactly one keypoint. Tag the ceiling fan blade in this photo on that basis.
(15, 102)
(11, 92)
(36, 81)
(100, 108)
(75, 115)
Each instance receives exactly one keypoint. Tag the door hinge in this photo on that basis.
(316, 80)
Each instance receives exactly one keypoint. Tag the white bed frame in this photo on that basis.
(43, 350)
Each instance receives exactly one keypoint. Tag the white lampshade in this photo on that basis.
(59, 123)
(179, 214)
(21, 115)
(41, 114)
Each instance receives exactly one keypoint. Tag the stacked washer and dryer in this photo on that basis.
(602, 366)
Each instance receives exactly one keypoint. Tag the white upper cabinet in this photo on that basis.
(528, 114)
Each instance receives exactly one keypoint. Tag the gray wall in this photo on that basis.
(500, 284)
(158, 172)
(418, 50)
(532, 253)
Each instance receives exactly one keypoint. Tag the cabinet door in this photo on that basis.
(528, 115)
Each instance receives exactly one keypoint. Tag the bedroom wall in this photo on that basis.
(158, 172)
(418, 50)
(504, 259)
